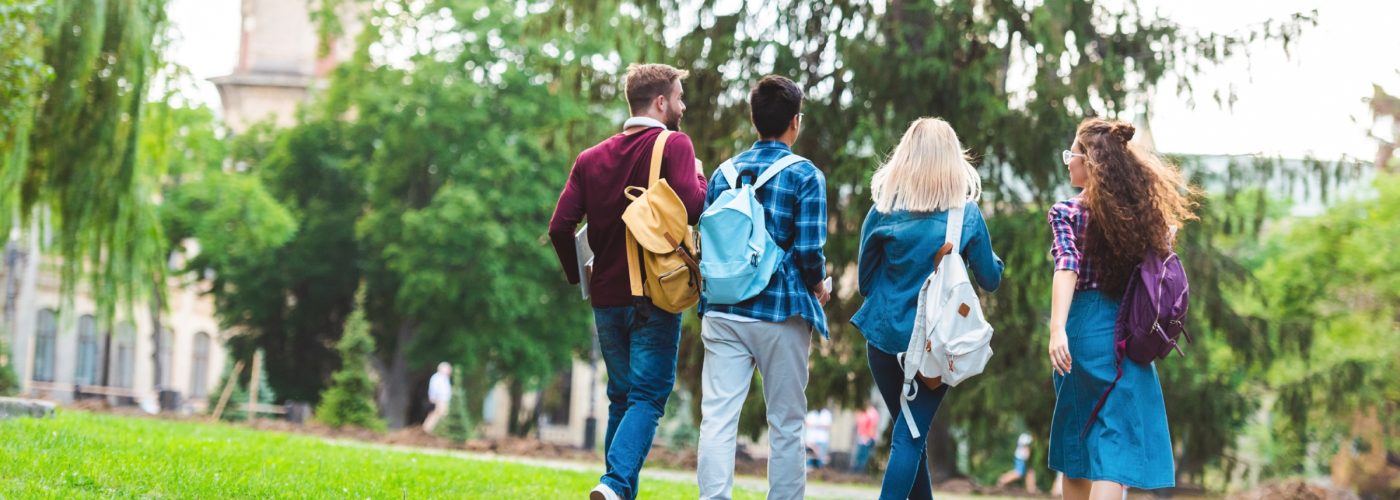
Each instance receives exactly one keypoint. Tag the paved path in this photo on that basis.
(754, 484)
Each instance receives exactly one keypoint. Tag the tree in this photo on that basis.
(458, 425)
(73, 94)
(350, 401)
(1386, 105)
(238, 397)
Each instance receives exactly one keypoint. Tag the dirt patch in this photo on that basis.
(828, 475)
(1294, 490)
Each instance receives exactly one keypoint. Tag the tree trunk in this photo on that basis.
(516, 426)
(942, 451)
(156, 298)
(398, 381)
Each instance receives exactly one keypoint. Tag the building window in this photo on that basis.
(45, 336)
(199, 366)
(167, 339)
(126, 356)
(86, 373)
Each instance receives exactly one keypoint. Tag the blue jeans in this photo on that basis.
(641, 373)
(863, 455)
(906, 476)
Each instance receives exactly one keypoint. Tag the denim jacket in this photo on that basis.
(896, 256)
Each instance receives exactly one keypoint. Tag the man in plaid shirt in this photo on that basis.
(772, 330)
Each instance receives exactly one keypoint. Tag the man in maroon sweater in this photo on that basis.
(640, 353)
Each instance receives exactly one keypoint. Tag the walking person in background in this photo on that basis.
(638, 349)
(867, 430)
(1020, 471)
(439, 393)
(773, 329)
(818, 436)
(927, 175)
(1130, 202)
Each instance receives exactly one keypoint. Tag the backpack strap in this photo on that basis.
(776, 168)
(731, 175)
(634, 262)
(657, 151)
(953, 234)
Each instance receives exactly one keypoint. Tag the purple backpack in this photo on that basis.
(1149, 316)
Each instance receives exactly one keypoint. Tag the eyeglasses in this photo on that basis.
(1066, 155)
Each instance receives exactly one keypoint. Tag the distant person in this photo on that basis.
(818, 436)
(772, 330)
(867, 430)
(1130, 203)
(439, 394)
(1020, 471)
(927, 176)
(639, 349)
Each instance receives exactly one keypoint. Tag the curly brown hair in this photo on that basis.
(1133, 196)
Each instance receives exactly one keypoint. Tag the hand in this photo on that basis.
(1059, 351)
(823, 295)
(699, 167)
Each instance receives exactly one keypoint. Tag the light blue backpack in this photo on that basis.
(738, 256)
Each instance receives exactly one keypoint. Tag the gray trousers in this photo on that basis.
(732, 350)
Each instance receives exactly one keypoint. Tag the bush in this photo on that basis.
(350, 399)
(9, 382)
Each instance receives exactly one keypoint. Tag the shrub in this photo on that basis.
(350, 399)
(457, 425)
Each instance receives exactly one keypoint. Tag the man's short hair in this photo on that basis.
(646, 81)
(773, 102)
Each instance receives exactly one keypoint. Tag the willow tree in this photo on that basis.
(72, 169)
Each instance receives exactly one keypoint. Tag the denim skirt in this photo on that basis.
(1128, 442)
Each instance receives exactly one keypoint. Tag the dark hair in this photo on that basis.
(1133, 198)
(772, 104)
(646, 81)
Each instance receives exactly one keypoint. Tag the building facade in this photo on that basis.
(62, 351)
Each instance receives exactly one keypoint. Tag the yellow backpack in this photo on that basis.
(656, 228)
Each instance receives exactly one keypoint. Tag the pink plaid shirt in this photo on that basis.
(1067, 222)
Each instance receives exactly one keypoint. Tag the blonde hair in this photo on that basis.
(929, 171)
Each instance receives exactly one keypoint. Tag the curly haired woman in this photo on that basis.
(1130, 202)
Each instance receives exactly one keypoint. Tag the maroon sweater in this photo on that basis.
(595, 190)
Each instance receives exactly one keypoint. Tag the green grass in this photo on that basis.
(81, 455)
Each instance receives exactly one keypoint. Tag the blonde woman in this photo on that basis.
(927, 175)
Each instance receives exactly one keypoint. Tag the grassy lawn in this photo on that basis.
(81, 455)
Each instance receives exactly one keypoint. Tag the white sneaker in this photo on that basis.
(603, 492)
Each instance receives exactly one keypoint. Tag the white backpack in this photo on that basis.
(951, 339)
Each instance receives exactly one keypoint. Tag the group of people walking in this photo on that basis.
(1132, 196)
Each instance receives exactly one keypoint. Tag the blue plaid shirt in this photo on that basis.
(795, 214)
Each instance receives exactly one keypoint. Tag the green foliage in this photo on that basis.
(458, 425)
(350, 400)
(21, 73)
(80, 455)
(9, 382)
(1330, 287)
(75, 159)
(233, 410)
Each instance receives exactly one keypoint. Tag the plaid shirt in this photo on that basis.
(1067, 222)
(795, 214)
